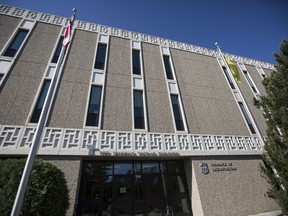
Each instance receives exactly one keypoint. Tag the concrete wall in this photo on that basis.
(208, 102)
(117, 105)
(257, 78)
(267, 71)
(158, 106)
(24, 79)
(248, 96)
(228, 193)
(70, 166)
(70, 105)
(8, 25)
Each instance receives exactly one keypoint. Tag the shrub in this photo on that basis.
(46, 193)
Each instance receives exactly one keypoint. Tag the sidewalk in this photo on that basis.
(273, 213)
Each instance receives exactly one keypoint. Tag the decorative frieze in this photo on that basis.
(57, 20)
(9, 136)
(27, 137)
(61, 141)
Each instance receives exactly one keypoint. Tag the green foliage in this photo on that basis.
(46, 194)
(275, 105)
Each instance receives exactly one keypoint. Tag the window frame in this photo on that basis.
(58, 45)
(39, 94)
(170, 67)
(180, 112)
(13, 39)
(105, 57)
(143, 109)
(89, 104)
(139, 59)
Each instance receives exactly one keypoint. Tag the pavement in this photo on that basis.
(273, 213)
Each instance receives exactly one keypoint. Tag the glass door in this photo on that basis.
(91, 197)
(153, 194)
(122, 195)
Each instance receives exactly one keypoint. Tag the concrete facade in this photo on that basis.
(159, 114)
(217, 133)
(221, 189)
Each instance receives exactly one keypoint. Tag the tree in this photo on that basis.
(46, 194)
(275, 106)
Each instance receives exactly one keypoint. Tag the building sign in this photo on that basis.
(223, 166)
(217, 167)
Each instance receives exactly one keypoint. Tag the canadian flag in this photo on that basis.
(68, 32)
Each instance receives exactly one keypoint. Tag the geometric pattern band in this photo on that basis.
(17, 139)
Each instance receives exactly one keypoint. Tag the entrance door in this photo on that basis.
(153, 194)
(90, 197)
(122, 195)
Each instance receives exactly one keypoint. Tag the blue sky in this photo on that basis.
(249, 28)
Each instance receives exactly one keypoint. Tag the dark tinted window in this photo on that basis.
(177, 113)
(16, 43)
(250, 81)
(138, 110)
(246, 117)
(136, 62)
(150, 167)
(94, 106)
(168, 69)
(58, 50)
(100, 56)
(123, 168)
(1, 76)
(228, 78)
(40, 102)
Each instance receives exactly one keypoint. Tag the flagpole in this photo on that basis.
(40, 126)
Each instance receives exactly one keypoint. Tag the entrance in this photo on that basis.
(147, 188)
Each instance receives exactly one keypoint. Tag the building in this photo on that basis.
(140, 125)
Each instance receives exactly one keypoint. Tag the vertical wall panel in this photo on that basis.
(208, 102)
(8, 25)
(248, 96)
(257, 78)
(70, 104)
(19, 91)
(158, 106)
(117, 110)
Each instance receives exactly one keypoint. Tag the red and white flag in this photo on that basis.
(68, 32)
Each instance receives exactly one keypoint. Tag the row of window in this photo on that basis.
(239, 101)
(94, 106)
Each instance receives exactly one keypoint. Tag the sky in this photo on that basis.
(248, 28)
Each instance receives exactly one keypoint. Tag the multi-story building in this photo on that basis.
(140, 125)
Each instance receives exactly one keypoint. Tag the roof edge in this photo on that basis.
(98, 28)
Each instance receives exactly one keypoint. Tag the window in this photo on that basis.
(1, 76)
(168, 69)
(136, 62)
(246, 117)
(16, 43)
(138, 110)
(100, 56)
(228, 78)
(40, 103)
(94, 106)
(250, 81)
(177, 113)
(58, 50)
